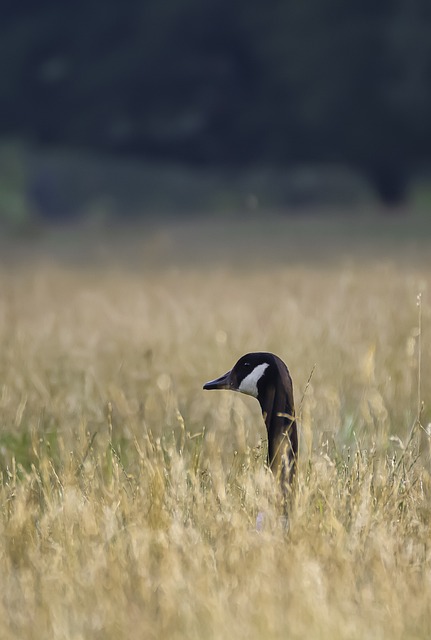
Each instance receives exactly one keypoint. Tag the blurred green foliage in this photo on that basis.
(242, 83)
(14, 208)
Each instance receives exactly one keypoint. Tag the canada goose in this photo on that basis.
(265, 377)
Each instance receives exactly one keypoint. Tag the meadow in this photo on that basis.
(129, 496)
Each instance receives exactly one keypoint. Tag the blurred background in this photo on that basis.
(122, 111)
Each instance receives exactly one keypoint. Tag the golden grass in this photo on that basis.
(129, 496)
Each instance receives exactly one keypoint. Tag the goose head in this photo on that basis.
(250, 371)
(264, 376)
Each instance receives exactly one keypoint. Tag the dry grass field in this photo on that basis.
(129, 496)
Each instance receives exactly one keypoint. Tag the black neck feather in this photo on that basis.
(279, 414)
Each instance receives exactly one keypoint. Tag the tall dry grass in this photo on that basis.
(129, 496)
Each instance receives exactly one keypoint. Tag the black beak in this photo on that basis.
(224, 382)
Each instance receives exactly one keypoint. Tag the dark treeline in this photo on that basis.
(244, 82)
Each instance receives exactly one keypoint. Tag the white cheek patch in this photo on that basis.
(249, 384)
